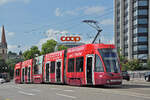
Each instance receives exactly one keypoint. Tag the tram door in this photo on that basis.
(23, 75)
(29, 74)
(58, 71)
(89, 68)
(47, 72)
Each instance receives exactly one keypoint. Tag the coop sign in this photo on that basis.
(70, 38)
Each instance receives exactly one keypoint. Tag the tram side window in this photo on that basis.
(52, 70)
(79, 64)
(17, 72)
(71, 65)
(36, 69)
(98, 64)
(26, 70)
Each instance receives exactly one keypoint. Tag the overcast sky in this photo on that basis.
(32, 22)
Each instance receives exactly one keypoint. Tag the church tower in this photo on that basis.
(3, 45)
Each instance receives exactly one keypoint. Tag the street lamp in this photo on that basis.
(95, 25)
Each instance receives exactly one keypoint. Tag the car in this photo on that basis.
(2, 80)
(147, 76)
(125, 75)
(5, 76)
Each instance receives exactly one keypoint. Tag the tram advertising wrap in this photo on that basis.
(90, 64)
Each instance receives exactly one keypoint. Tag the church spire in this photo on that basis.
(3, 38)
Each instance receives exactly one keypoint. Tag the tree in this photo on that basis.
(11, 64)
(33, 52)
(148, 64)
(26, 54)
(123, 61)
(134, 64)
(3, 66)
(20, 53)
(48, 47)
(62, 47)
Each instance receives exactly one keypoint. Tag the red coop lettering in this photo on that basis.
(70, 38)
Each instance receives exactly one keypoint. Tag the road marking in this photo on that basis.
(66, 96)
(35, 90)
(25, 93)
(5, 86)
(18, 87)
(55, 89)
(68, 90)
(139, 95)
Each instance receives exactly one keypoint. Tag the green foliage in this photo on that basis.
(123, 61)
(126, 64)
(48, 47)
(11, 53)
(11, 64)
(29, 54)
(148, 64)
(26, 54)
(62, 47)
(3, 66)
(134, 64)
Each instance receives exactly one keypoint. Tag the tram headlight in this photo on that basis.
(100, 76)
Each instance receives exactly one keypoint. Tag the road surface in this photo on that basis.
(128, 91)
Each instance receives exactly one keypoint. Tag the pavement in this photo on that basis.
(130, 90)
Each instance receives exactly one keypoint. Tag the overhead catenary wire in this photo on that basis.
(63, 22)
(74, 25)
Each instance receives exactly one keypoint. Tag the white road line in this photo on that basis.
(35, 90)
(5, 86)
(25, 93)
(68, 96)
(55, 89)
(18, 87)
(68, 90)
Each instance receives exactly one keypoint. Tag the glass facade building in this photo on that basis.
(132, 28)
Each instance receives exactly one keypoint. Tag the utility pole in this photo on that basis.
(94, 24)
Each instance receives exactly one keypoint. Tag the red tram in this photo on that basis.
(26, 71)
(17, 74)
(90, 64)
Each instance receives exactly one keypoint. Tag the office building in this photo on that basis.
(132, 28)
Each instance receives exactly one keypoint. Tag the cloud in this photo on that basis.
(88, 10)
(12, 47)
(9, 34)
(94, 10)
(58, 12)
(107, 22)
(52, 34)
(17, 48)
(3, 2)
(107, 40)
(71, 12)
